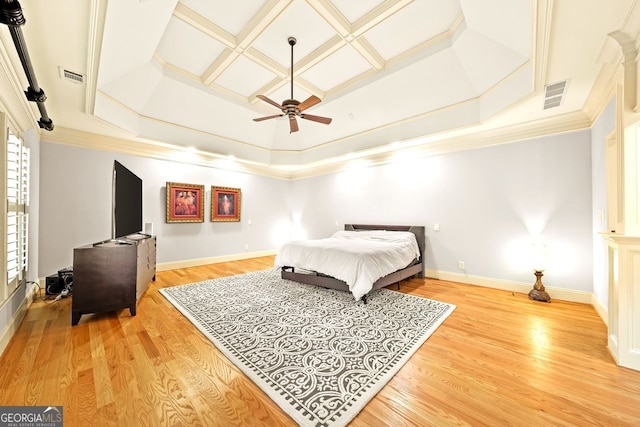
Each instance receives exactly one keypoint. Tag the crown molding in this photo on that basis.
(467, 139)
(622, 45)
(157, 150)
(603, 90)
(470, 138)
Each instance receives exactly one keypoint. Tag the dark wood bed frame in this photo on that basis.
(319, 279)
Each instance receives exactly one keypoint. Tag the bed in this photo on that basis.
(352, 260)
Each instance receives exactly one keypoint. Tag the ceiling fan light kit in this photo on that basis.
(292, 107)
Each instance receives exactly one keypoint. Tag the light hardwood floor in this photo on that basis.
(499, 359)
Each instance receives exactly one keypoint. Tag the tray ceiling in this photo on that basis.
(186, 73)
(191, 73)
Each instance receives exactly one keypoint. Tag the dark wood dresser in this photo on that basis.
(111, 275)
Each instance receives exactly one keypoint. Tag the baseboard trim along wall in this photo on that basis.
(506, 285)
(211, 260)
(600, 309)
(16, 320)
(511, 286)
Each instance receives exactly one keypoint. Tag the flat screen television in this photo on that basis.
(127, 202)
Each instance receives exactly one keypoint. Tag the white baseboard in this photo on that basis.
(512, 286)
(600, 309)
(15, 321)
(211, 260)
(507, 285)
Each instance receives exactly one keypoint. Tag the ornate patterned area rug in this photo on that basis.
(319, 354)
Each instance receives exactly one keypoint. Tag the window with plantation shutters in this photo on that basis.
(17, 217)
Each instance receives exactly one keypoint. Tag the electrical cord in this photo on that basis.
(39, 292)
(65, 292)
(39, 295)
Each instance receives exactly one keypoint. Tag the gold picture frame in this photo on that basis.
(225, 204)
(185, 202)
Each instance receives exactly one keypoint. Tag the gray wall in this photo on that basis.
(75, 207)
(490, 203)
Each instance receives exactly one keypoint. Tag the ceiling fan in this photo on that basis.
(292, 107)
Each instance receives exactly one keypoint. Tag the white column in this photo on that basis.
(624, 299)
(626, 197)
(623, 192)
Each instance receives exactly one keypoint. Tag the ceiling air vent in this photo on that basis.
(71, 76)
(554, 93)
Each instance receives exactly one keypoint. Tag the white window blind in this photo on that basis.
(17, 211)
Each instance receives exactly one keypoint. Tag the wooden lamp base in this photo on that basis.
(538, 293)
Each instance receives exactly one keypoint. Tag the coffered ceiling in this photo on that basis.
(186, 73)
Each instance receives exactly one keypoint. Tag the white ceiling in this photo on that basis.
(186, 73)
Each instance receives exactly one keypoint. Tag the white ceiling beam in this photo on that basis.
(96, 31)
(542, 18)
(352, 33)
(261, 21)
(368, 52)
(332, 16)
(218, 66)
(315, 57)
(201, 23)
(377, 15)
(267, 62)
(236, 46)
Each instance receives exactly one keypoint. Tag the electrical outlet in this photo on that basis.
(461, 265)
(246, 246)
(436, 227)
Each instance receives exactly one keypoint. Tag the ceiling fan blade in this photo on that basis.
(319, 119)
(265, 99)
(259, 119)
(293, 124)
(309, 102)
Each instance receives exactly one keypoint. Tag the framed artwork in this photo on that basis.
(225, 204)
(185, 202)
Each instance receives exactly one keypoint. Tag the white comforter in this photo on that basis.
(359, 258)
